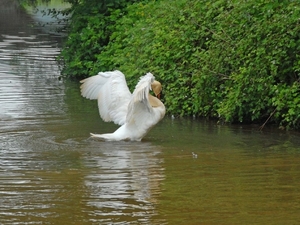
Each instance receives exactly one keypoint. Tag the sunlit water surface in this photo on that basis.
(184, 172)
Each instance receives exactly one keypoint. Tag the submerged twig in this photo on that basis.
(262, 126)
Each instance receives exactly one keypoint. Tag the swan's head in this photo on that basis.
(156, 87)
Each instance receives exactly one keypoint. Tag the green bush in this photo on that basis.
(262, 41)
(89, 31)
(237, 61)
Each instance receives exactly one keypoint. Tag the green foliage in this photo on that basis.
(262, 41)
(286, 101)
(234, 60)
(89, 31)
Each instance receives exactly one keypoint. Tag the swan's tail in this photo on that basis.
(107, 137)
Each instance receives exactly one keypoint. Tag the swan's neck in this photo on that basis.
(154, 102)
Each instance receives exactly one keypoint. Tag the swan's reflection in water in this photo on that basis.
(124, 181)
(79, 182)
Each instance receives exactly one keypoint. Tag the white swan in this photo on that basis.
(137, 113)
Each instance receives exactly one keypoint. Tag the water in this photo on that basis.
(184, 172)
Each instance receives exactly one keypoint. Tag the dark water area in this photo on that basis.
(185, 171)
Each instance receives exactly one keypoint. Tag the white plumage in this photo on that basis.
(137, 113)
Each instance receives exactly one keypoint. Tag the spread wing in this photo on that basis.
(139, 109)
(112, 93)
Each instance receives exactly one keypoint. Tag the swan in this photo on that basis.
(137, 113)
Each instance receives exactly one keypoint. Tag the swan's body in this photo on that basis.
(137, 113)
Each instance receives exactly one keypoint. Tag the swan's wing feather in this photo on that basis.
(91, 86)
(142, 88)
(139, 104)
(111, 90)
(114, 98)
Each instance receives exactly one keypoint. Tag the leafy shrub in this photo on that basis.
(233, 60)
(89, 31)
(262, 41)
